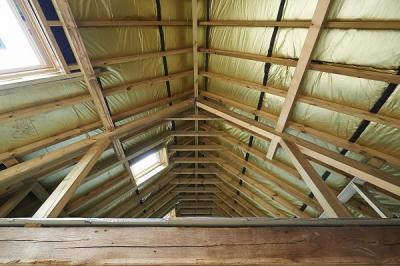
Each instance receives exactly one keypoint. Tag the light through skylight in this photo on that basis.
(147, 167)
(146, 163)
(16, 50)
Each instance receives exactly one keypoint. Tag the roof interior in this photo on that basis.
(264, 187)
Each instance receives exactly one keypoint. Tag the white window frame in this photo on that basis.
(34, 30)
(149, 172)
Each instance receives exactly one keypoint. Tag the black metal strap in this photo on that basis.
(267, 67)
(164, 60)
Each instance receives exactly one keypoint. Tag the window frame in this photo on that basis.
(32, 26)
(146, 174)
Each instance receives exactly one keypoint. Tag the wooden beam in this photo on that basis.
(99, 62)
(185, 133)
(132, 23)
(202, 171)
(194, 117)
(341, 24)
(206, 205)
(353, 167)
(195, 197)
(305, 57)
(194, 212)
(64, 191)
(207, 189)
(190, 160)
(196, 181)
(319, 188)
(195, 147)
(171, 246)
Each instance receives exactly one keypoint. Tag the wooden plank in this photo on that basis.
(301, 68)
(331, 205)
(64, 191)
(172, 246)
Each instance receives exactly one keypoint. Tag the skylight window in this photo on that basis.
(24, 48)
(146, 167)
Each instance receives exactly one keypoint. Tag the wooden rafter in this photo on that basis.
(53, 206)
(305, 57)
(319, 188)
(92, 84)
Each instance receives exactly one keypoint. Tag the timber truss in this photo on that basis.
(206, 176)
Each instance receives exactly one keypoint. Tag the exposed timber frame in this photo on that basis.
(216, 179)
